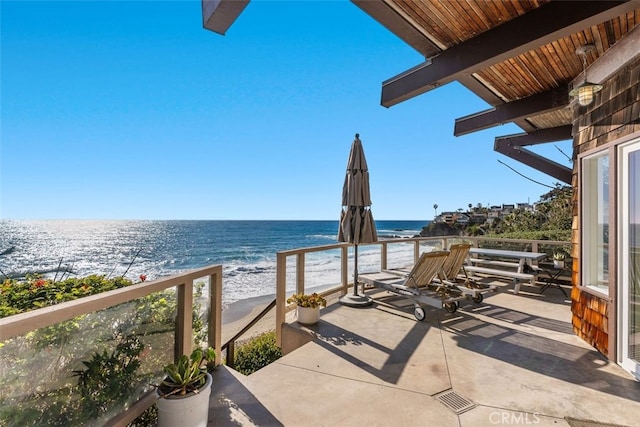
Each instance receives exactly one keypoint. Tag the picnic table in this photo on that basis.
(486, 261)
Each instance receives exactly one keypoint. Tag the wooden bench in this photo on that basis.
(496, 257)
(494, 262)
(517, 277)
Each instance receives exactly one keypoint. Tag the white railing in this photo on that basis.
(414, 244)
(23, 323)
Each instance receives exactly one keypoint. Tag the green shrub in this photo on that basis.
(109, 378)
(257, 353)
(561, 235)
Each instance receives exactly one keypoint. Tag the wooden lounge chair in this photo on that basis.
(454, 274)
(454, 263)
(418, 284)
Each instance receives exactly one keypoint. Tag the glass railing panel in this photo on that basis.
(322, 271)
(400, 255)
(291, 274)
(201, 305)
(86, 370)
(368, 260)
(432, 245)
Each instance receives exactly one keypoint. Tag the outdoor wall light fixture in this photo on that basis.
(585, 91)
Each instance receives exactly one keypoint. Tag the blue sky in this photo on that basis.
(131, 110)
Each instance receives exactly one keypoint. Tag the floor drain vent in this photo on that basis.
(455, 402)
(586, 423)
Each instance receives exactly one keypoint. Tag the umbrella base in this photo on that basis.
(352, 300)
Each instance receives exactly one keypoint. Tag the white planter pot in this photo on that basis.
(191, 410)
(308, 315)
(558, 263)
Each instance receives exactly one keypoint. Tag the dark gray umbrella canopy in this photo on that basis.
(356, 221)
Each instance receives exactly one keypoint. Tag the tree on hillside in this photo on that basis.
(520, 220)
(555, 207)
(553, 212)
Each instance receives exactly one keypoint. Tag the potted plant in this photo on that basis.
(308, 307)
(183, 395)
(559, 256)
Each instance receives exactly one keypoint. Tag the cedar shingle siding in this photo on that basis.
(614, 114)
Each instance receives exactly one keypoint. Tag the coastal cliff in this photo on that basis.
(435, 229)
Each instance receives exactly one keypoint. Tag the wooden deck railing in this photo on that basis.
(414, 246)
(23, 323)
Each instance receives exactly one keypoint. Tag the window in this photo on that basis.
(595, 222)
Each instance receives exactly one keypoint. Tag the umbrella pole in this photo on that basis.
(352, 299)
(355, 271)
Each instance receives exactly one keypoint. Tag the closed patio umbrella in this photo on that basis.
(356, 221)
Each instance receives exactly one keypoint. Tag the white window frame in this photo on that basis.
(624, 358)
(593, 260)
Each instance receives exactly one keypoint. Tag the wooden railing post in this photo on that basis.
(184, 326)
(215, 314)
(416, 251)
(231, 354)
(534, 246)
(383, 256)
(300, 273)
(281, 297)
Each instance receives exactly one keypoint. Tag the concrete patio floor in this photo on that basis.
(511, 360)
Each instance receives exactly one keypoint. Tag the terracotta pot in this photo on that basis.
(308, 315)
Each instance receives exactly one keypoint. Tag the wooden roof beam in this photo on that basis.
(471, 83)
(218, 15)
(512, 111)
(400, 25)
(545, 24)
(542, 136)
(511, 146)
(624, 51)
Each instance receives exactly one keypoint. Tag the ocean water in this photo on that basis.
(246, 249)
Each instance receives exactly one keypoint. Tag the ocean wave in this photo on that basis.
(248, 269)
(328, 237)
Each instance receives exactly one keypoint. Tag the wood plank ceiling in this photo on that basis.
(449, 23)
(519, 56)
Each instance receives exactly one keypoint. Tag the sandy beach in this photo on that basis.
(238, 314)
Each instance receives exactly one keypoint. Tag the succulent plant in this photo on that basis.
(188, 375)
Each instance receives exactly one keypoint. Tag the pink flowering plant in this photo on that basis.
(33, 292)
